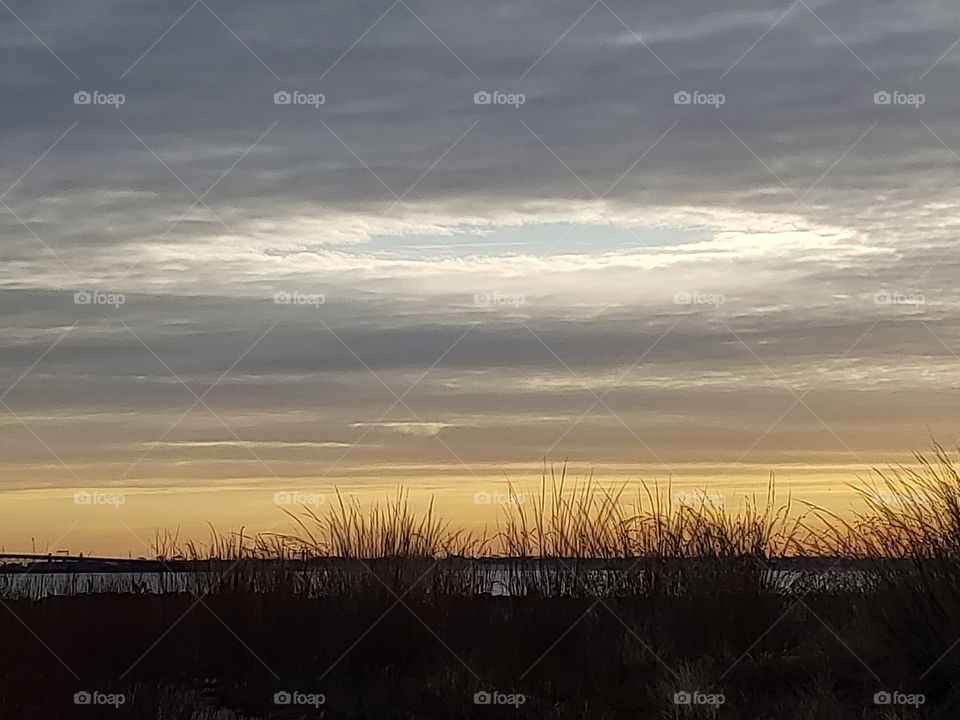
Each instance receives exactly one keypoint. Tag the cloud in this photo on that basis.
(413, 429)
(397, 102)
(505, 265)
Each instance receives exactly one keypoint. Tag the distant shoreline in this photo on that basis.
(79, 565)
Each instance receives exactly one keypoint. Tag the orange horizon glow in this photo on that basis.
(124, 521)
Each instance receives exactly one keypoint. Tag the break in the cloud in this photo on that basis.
(731, 218)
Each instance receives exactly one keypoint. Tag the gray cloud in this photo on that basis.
(818, 216)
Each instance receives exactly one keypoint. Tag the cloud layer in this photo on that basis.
(705, 235)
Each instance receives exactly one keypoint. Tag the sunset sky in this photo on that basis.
(681, 241)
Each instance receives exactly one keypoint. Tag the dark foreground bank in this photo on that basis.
(695, 622)
(404, 641)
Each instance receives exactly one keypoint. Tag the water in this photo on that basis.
(495, 579)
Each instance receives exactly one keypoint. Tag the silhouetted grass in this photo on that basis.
(590, 603)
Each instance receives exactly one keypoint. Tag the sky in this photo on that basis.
(250, 250)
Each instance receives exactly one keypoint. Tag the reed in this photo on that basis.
(595, 601)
